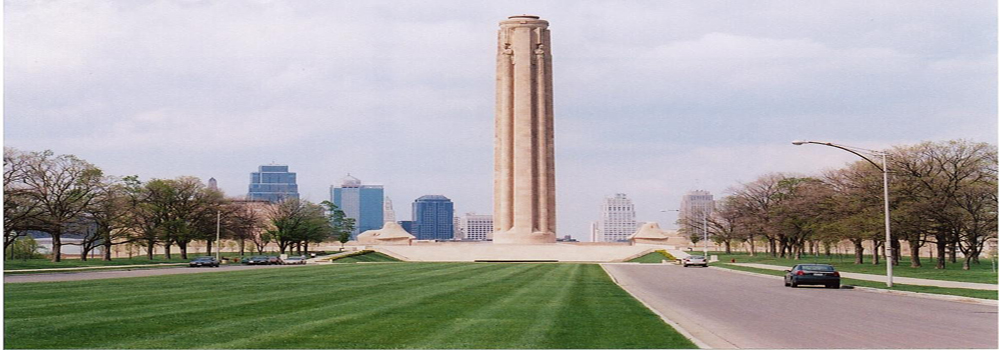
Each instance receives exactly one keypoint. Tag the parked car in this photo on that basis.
(257, 260)
(812, 274)
(295, 260)
(273, 260)
(694, 260)
(204, 261)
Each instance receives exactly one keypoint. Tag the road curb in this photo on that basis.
(953, 298)
(683, 331)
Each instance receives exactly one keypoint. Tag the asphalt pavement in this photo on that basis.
(724, 309)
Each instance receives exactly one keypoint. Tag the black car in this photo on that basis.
(204, 261)
(812, 274)
(258, 260)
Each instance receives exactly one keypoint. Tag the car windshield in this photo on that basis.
(204, 258)
(817, 267)
(696, 257)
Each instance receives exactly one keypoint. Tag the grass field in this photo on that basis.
(413, 305)
(652, 258)
(369, 257)
(970, 293)
(978, 273)
(48, 264)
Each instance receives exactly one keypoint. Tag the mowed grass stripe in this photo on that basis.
(168, 293)
(410, 315)
(353, 311)
(186, 319)
(406, 305)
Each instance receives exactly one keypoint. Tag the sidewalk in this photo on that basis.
(895, 279)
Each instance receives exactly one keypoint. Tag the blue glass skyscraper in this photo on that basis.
(272, 183)
(433, 218)
(363, 203)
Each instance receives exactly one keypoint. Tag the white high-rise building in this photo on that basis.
(477, 227)
(389, 212)
(617, 219)
(694, 207)
(459, 230)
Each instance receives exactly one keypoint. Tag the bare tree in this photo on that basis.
(63, 186)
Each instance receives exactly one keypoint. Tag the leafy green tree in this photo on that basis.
(342, 225)
(21, 212)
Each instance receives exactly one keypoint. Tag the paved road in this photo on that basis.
(895, 279)
(96, 275)
(731, 310)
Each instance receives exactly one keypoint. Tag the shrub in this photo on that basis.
(24, 248)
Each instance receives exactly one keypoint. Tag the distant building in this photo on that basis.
(433, 218)
(272, 183)
(407, 225)
(213, 184)
(477, 227)
(694, 207)
(459, 231)
(389, 212)
(361, 202)
(617, 219)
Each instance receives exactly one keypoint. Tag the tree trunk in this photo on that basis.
(306, 247)
(209, 245)
(56, 247)
(952, 248)
(858, 255)
(752, 246)
(107, 250)
(914, 254)
(242, 246)
(896, 249)
(941, 254)
(828, 248)
(150, 246)
(84, 250)
(772, 244)
(166, 250)
(183, 250)
(875, 249)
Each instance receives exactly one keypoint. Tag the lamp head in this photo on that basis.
(798, 142)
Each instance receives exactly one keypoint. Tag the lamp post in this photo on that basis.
(218, 236)
(704, 227)
(884, 172)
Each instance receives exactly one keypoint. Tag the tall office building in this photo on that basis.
(433, 217)
(272, 183)
(477, 227)
(694, 207)
(389, 212)
(459, 231)
(617, 219)
(363, 203)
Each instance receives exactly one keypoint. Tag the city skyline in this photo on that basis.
(651, 98)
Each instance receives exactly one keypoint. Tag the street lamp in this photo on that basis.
(884, 172)
(704, 228)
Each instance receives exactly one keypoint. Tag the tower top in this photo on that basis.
(524, 16)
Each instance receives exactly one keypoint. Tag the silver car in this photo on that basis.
(295, 260)
(694, 260)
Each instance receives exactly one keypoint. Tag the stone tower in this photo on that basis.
(524, 179)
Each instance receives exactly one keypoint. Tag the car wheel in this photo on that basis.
(786, 284)
(794, 284)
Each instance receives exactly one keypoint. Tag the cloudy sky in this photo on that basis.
(652, 98)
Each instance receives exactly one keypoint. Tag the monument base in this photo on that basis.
(512, 237)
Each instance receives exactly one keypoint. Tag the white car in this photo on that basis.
(694, 260)
(295, 260)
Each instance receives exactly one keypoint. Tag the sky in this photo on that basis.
(652, 98)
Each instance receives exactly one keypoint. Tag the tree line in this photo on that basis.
(62, 194)
(942, 193)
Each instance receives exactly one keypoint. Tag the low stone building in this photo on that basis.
(390, 234)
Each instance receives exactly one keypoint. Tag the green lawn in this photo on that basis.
(652, 258)
(19, 264)
(369, 257)
(978, 273)
(411, 305)
(970, 293)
